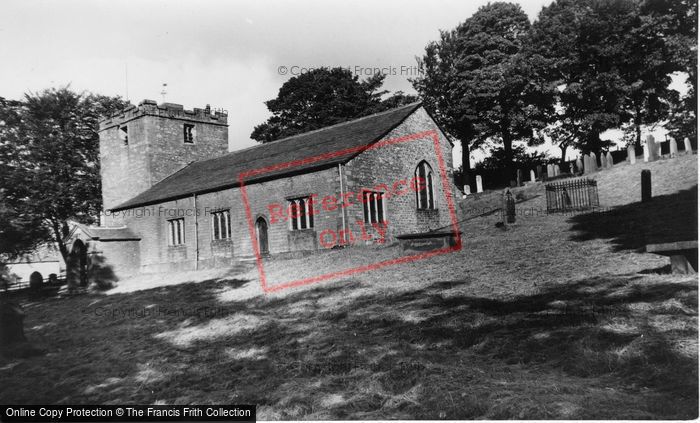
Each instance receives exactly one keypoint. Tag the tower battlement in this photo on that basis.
(166, 110)
(141, 145)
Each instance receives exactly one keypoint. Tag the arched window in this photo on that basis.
(425, 198)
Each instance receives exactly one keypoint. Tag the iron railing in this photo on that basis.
(572, 194)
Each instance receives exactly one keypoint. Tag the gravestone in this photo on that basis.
(539, 170)
(656, 150)
(428, 241)
(467, 190)
(688, 146)
(550, 171)
(594, 163)
(571, 168)
(579, 165)
(479, 186)
(509, 206)
(646, 185)
(35, 282)
(631, 154)
(651, 149)
(673, 147)
(519, 176)
(532, 175)
(609, 159)
(603, 161)
(646, 152)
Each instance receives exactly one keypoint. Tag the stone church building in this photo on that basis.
(173, 198)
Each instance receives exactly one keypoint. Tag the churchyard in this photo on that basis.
(556, 316)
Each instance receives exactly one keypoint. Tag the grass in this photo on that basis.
(551, 318)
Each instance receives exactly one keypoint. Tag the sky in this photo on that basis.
(231, 54)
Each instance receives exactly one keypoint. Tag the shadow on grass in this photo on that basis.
(404, 355)
(596, 348)
(665, 218)
(93, 338)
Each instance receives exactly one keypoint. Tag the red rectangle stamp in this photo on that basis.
(300, 213)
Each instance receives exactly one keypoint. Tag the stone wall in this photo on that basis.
(113, 260)
(370, 168)
(156, 146)
(392, 163)
(151, 223)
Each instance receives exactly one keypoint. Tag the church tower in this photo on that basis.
(144, 144)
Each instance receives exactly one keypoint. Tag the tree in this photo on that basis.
(563, 137)
(20, 233)
(49, 158)
(497, 158)
(683, 116)
(676, 23)
(398, 99)
(612, 61)
(660, 40)
(442, 96)
(578, 44)
(480, 85)
(324, 97)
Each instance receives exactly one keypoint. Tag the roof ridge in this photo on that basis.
(335, 125)
(359, 132)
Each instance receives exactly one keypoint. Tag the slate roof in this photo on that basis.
(223, 172)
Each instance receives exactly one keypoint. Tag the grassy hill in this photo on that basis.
(556, 317)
